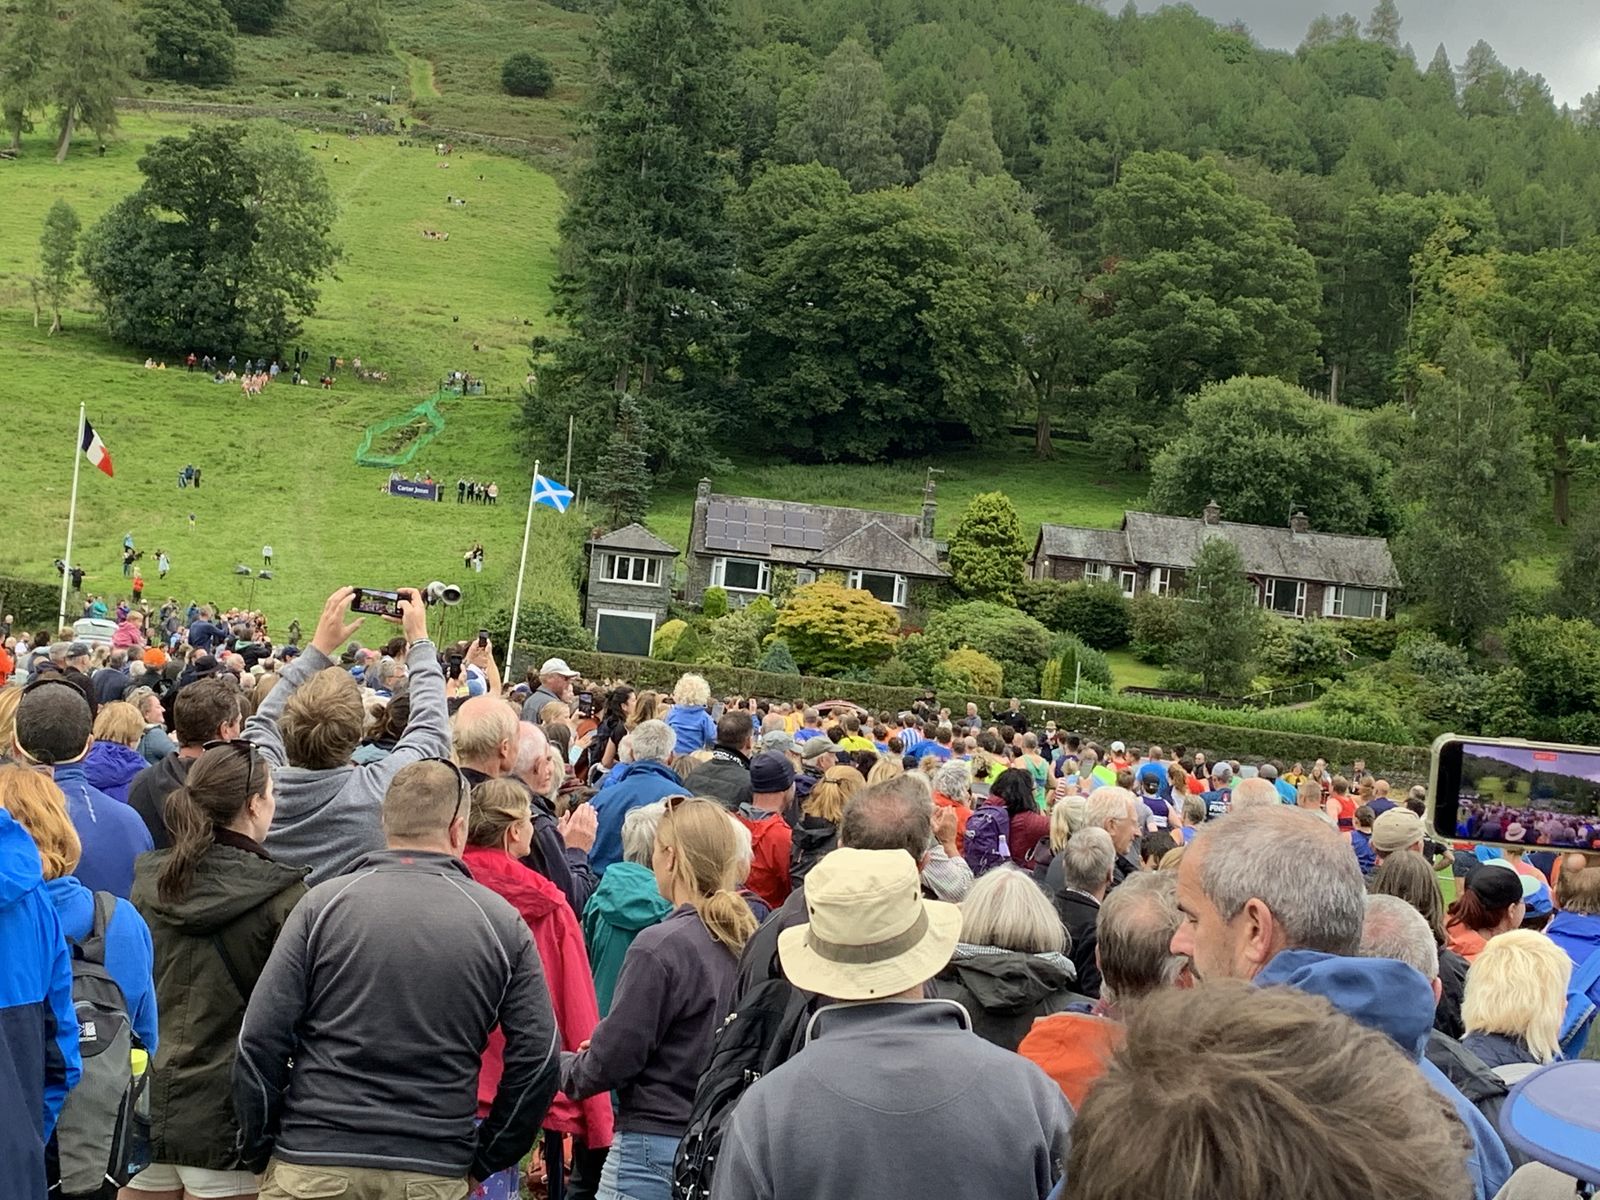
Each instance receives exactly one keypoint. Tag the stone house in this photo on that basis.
(630, 585)
(1296, 572)
(736, 542)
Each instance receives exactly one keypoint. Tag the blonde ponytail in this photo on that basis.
(727, 917)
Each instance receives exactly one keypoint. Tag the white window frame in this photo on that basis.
(1160, 581)
(1128, 580)
(632, 613)
(1334, 597)
(1097, 570)
(1269, 592)
(719, 573)
(901, 584)
(609, 563)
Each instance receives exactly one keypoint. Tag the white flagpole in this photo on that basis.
(72, 517)
(516, 606)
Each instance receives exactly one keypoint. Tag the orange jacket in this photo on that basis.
(771, 839)
(1074, 1049)
(963, 815)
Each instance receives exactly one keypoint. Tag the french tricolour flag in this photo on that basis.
(95, 449)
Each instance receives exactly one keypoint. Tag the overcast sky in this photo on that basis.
(1559, 39)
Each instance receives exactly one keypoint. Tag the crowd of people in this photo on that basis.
(378, 923)
(1500, 822)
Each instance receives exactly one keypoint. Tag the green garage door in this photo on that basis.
(624, 632)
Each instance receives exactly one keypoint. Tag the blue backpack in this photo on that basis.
(988, 841)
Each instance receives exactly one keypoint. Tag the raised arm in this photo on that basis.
(332, 630)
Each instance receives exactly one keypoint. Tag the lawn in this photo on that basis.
(280, 468)
(1061, 491)
(464, 42)
(1127, 671)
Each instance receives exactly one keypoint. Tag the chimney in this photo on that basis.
(1300, 523)
(1213, 514)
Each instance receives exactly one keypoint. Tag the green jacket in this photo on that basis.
(626, 901)
(210, 947)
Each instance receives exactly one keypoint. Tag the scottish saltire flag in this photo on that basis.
(550, 494)
(94, 449)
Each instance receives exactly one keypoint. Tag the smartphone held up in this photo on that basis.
(1509, 792)
(376, 602)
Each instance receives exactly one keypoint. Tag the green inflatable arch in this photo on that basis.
(427, 411)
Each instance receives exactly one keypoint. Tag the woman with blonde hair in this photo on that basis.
(499, 836)
(688, 717)
(39, 807)
(817, 830)
(1009, 967)
(113, 760)
(10, 697)
(887, 767)
(1516, 997)
(675, 988)
(645, 707)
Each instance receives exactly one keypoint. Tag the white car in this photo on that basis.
(96, 631)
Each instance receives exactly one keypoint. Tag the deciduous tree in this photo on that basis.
(223, 244)
(98, 56)
(58, 258)
(27, 61)
(1265, 450)
(350, 26)
(830, 628)
(968, 143)
(845, 122)
(189, 41)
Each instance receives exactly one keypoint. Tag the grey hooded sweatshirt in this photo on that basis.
(326, 819)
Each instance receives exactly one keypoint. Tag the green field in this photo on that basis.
(280, 468)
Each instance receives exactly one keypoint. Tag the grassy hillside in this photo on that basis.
(280, 468)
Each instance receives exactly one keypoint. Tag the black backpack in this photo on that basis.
(764, 1032)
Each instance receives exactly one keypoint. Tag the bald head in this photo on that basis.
(485, 733)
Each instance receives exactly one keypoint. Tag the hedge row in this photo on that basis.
(1401, 764)
(34, 605)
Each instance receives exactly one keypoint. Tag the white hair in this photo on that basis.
(639, 832)
(1394, 929)
(691, 691)
(744, 850)
(952, 780)
(531, 743)
(1517, 986)
(653, 741)
(1087, 858)
(1110, 803)
(1007, 909)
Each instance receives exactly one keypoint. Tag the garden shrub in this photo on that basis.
(527, 74)
(969, 670)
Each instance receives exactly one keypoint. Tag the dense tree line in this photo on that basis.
(865, 230)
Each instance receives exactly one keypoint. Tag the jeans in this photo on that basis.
(639, 1167)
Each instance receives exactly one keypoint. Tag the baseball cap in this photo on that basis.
(770, 773)
(816, 747)
(780, 740)
(1118, 747)
(77, 649)
(1395, 829)
(1496, 883)
(558, 666)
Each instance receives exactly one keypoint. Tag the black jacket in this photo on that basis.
(1473, 1078)
(381, 992)
(109, 684)
(147, 794)
(725, 776)
(1453, 988)
(210, 947)
(813, 837)
(1081, 916)
(1003, 991)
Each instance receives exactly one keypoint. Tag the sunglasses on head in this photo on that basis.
(250, 754)
(464, 789)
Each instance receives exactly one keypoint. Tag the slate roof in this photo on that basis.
(633, 537)
(1151, 539)
(840, 538)
(1079, 541)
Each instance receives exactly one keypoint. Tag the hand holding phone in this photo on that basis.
(1516, 793)
(375, 602)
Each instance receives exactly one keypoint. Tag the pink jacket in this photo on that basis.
(566, 971)
(127, 635)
